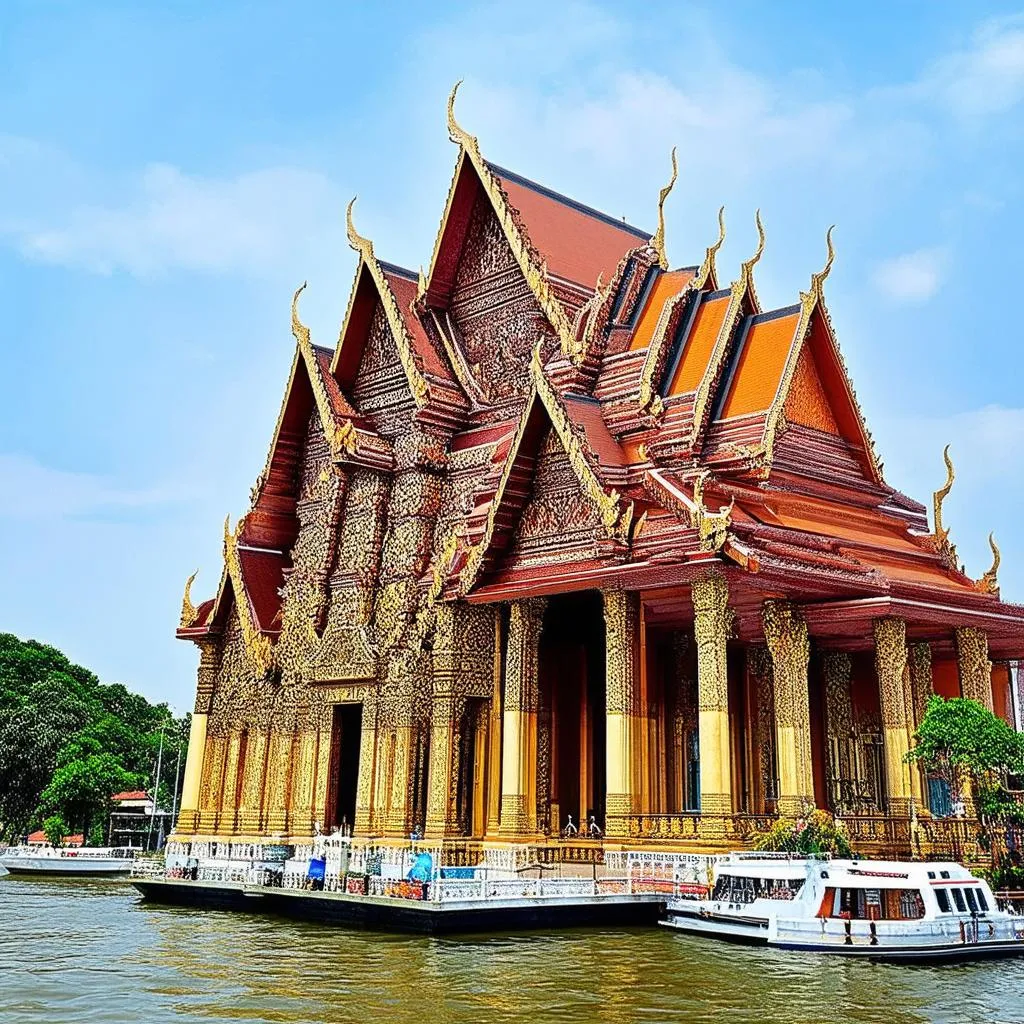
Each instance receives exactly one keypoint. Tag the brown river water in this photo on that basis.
(83, 952)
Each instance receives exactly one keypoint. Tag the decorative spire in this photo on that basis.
(940, 537)
(818, 279)
(707, 269)
(748, 265)
(658, 241)
(456, 132)
(989, 582)
(300, 332)
(362, 245)
(188, 609)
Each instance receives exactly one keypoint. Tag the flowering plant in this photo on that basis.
(813, 832)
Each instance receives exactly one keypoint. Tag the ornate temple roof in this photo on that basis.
(694, 427)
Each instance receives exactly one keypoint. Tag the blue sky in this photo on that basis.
(170, 172)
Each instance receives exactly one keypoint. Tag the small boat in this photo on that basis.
(92, 861)
(880, 910)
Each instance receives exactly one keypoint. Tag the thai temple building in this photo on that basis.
(560, 537)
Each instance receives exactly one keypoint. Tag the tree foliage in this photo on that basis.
(961, 739)
(65, 734)
(56, 829)
(813, 832)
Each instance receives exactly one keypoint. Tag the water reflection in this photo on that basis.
(90, 952)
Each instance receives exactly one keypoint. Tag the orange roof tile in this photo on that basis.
(577, 242)
(700, 342)
(666, 286)
(758, 369)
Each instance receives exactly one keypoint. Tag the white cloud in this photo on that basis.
(255, 223)
(912, 277)
(31, 491)
(987, 77)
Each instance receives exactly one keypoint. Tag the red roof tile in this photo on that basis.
(577, 242)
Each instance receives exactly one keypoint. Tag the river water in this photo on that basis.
(86, 952)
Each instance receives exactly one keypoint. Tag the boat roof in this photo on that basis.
(868, 872)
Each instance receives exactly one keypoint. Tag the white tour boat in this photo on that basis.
(93, 861)
(882, 910)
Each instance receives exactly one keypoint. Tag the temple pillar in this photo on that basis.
(790, 649)
(212, 787)
(494, 739)
(229, 800)
(712, 624)
(302, 782)
(279, 765)
(250, 804)
(838, 668)
(445, 729)
(193, 773)
(761, 701)
(624, 729)
(922, 687)
(518, 815)
(684, 718)
(975, 668)
(365, 822)
(893, 689)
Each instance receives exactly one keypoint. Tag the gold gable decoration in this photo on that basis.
(650, 402)
(531, 264)
(340, 436)
(742, 288)
(417, 382)
(257, 644)
(712, 527)
(940, 534)
(989, 582)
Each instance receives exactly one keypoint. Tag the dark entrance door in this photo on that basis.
(345, 741)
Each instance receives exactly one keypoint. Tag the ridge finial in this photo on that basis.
(362, 245)
(707, 270)
(749, 265)
(188, 609)
(299, 330)
(942, 493)
(989, 582)
(658, 241)
(818, 279)
(456, 132)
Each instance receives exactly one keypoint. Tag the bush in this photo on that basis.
(56, 829)
(813, 832)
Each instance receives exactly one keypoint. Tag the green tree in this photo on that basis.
(56, 829)
(962, 741)
(81, 788)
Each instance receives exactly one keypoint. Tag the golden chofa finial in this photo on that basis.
(188, 609)
(658, 241)
(456, 132)
(707, 270)
(818, 279)
(989, 582)
(362, 245)
(228, 538)
(748, 265)
(940, 496)
(299, 330)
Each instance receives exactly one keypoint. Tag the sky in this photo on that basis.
(170, 172)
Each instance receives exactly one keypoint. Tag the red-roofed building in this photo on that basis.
(558, 532)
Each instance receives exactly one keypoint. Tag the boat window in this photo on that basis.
(943, 897)
(931, 874)
(958, 899)
(972, 903)
(879, 904)
(982, 902)
(740, 889)
(943, 874)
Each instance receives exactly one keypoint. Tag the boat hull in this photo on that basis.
(756, 933)
(64, 867)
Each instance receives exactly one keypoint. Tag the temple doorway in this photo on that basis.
(571, 714)
(346, 734)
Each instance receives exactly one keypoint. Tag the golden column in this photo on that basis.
(893, 689)
(922, 687)
(790, 648)
(519, 721)
(712, 625)
(188, 817)
(975, 668)
(838, 668)
(445, 736)
(494, 732)
(365, 823)
(250, 803)
(624, 728)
